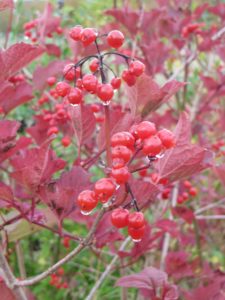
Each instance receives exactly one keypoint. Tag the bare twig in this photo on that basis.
(67, 258)
(106, 272)
(218, 34)
(9, 278)
(20, 259)
(166, 242)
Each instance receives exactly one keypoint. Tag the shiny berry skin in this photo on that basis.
(152, 146)
(95, 108)
(128, 78)
(167, 138)
(136, 233)
(105, 92)
(51, 81)
(187, 184)
(136, 219)
(75, 33)
(90, 83)
(87, 36)
(121, 175)
(69, 72)
(94, 65)
(119, 217)
(87, 200)
(66, 141)
(121, 152)
(62, 88)
(145, 129)
(136, 68)
(115, 38)
(75, 96)
(118, 163)
(52, 130)
(193, 191)
(123, 138)
(116, 83)
(104, 189)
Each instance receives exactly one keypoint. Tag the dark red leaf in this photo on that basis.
(169, 226)
(185, 159)
(184, 213)
(220, 171)
(17, 57)
(12, 96)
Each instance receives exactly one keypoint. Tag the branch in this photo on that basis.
(67, 258)
(9, 278)
(166, 242)
(107, 271)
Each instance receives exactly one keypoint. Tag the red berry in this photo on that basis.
(75, 96)
(165, 193)
(136, 233)
(28, 34)
(95, 108)
(152, 146)
(136, 219)
(185, 195)
(90, 83)
(136, 68)
(87, 200)
(105, 92)
(87, 36)
(145, 129)
(123, 138)
(62, 88)
(94, 65)
(59, 30)
(119, 217)
(167, 138)
(121, 175)
(121, 152)
(51, 81)
(69, 72)
(52, 130)
(104, 189)
(115, 38)
(66, 141)
(193, 191)
(66, 242)
(75, 33)
(100, 118)
(187, 184)
(116, 83)
(118, 163)
(128, 78)
(60, 272)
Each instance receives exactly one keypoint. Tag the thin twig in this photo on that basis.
(106, 272)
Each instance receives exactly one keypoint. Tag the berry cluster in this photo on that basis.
(31, 30)
(193, 28)
(57, 280)
(186, 192)
(135, 222)
(89, 82)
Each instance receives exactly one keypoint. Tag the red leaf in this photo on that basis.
(177, 265)
(17, 57)
(61, 194)
(35, 166)
(169, 226)
(41, 74)
(52, 49)
(220, 171)
(12, 96)
(184, 159)
(146, 95)
(5, 292)
(148, 281)
(184, 213)
(4, 4)
(83, 122)
(39, 130)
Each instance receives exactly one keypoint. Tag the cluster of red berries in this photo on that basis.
(57, 280)
(88, 36)
(135, 222)
(219, 148)
(192, 28)
(89, 83)
(31, 30)
(66, 242)
(187, 192)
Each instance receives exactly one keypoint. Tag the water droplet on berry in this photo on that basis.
(74, 105)
(106, 103)
(86, 213)
(160, 155)
(136, 240)
(117, 186)
(106, 204)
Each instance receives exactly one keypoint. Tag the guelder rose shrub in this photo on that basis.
(121, 158)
